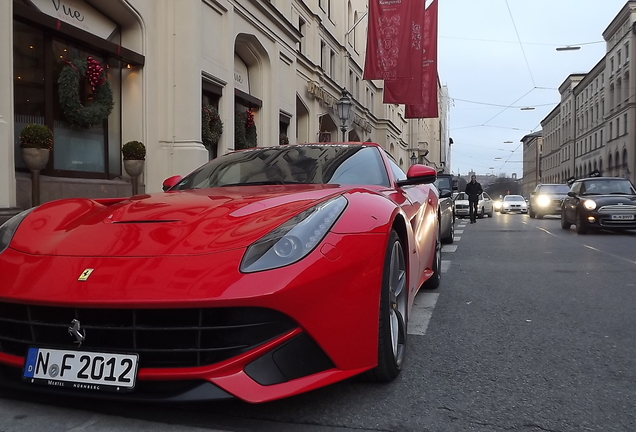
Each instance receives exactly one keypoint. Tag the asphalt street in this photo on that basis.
(532, 329)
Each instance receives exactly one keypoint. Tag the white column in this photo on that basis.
(7, 169)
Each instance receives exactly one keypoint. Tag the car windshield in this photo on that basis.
(513, 198)
(607, 187)
(329, 164)
(443, 183)
(554, 189)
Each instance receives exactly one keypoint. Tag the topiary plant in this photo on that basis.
(36, 136)
(134, 150)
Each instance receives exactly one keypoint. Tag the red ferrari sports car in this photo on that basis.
(263, 274)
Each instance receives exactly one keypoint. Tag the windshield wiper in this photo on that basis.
(590, 193)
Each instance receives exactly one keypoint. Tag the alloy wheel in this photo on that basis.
(397, 302)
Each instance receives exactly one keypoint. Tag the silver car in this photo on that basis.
(484, 208)
(514, 203)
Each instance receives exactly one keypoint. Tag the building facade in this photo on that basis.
(279, 66)
(594, 126)
(532, 149)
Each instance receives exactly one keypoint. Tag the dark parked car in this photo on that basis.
(600, 203)
(446, 185)
(546, 199)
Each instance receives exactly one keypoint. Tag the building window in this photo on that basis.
(332, 64)
(323, 48)
(39, 58)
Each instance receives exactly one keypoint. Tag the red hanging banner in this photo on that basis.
(409, 90)
(388, 39)
(427, 107)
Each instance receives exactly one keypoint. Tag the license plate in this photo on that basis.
(622, 217)
(81, 369)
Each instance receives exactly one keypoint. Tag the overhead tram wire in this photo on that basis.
(521, 44)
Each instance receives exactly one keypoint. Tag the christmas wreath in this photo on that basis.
(245, 135)
(69, 91)
(212, 126)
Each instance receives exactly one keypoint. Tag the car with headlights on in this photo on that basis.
(600, 203)
(514, 204)
(265, 273)
(546, 199)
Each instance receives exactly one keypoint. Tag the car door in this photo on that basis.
(568, 208)
(487, 203)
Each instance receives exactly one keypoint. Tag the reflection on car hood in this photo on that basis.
(174, 223)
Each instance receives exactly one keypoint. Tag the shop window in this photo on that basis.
(39, 59)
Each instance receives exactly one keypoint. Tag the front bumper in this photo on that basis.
(320, 295)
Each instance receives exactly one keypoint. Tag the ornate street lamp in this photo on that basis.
(413, 158)
(343, 107)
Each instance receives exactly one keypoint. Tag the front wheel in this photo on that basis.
(482, 213)
(393, 314)
(451, 234)
(564, 223)
(581, 225)
(435, 279)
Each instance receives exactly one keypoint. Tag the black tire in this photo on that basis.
(538, 216)
(564, 223)
(434, 281)
(531, 214)
(451, 237)
(490, 214)
(481, 214)
(581, 225)
(393, 314)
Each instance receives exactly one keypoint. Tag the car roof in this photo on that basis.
(602, 178)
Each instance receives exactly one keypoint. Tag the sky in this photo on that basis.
(496, 56)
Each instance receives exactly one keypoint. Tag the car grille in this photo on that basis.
(557, 201)
(461, 206)
(617, 209)
(161, 337)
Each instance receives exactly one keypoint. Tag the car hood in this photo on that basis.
(602, 200)
(172, 223)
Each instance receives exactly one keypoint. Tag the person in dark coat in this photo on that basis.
(473, 190)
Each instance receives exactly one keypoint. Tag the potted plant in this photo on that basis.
(134, 153)
(36, 142)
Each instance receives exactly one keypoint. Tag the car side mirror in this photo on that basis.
(170, 182)
(572, 194)
(418, 174)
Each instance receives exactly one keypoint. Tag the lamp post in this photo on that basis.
(413, 158)
(343, 107)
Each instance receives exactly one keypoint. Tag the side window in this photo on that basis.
(486, 196)
(576, 187)
(397, 171)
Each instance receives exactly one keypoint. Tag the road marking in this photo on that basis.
(445, 265)
(457, 238)
(449, 248)
(459, 231)
(422, 312)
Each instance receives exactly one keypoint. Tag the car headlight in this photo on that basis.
(294, 239)
(589, 204)
(543, 201)
(9, 227)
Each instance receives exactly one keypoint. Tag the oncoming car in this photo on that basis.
(546, 199)
(600, 203)
(514, 203)
(263, 274)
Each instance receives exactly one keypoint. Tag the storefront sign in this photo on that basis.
(321, 94)
(79, 14)
(362, 123)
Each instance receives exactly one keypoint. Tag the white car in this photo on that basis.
(484, 208)
(514, 203)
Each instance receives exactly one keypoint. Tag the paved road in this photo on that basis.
(533, 329)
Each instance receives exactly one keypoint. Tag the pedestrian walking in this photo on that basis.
(473, 190)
